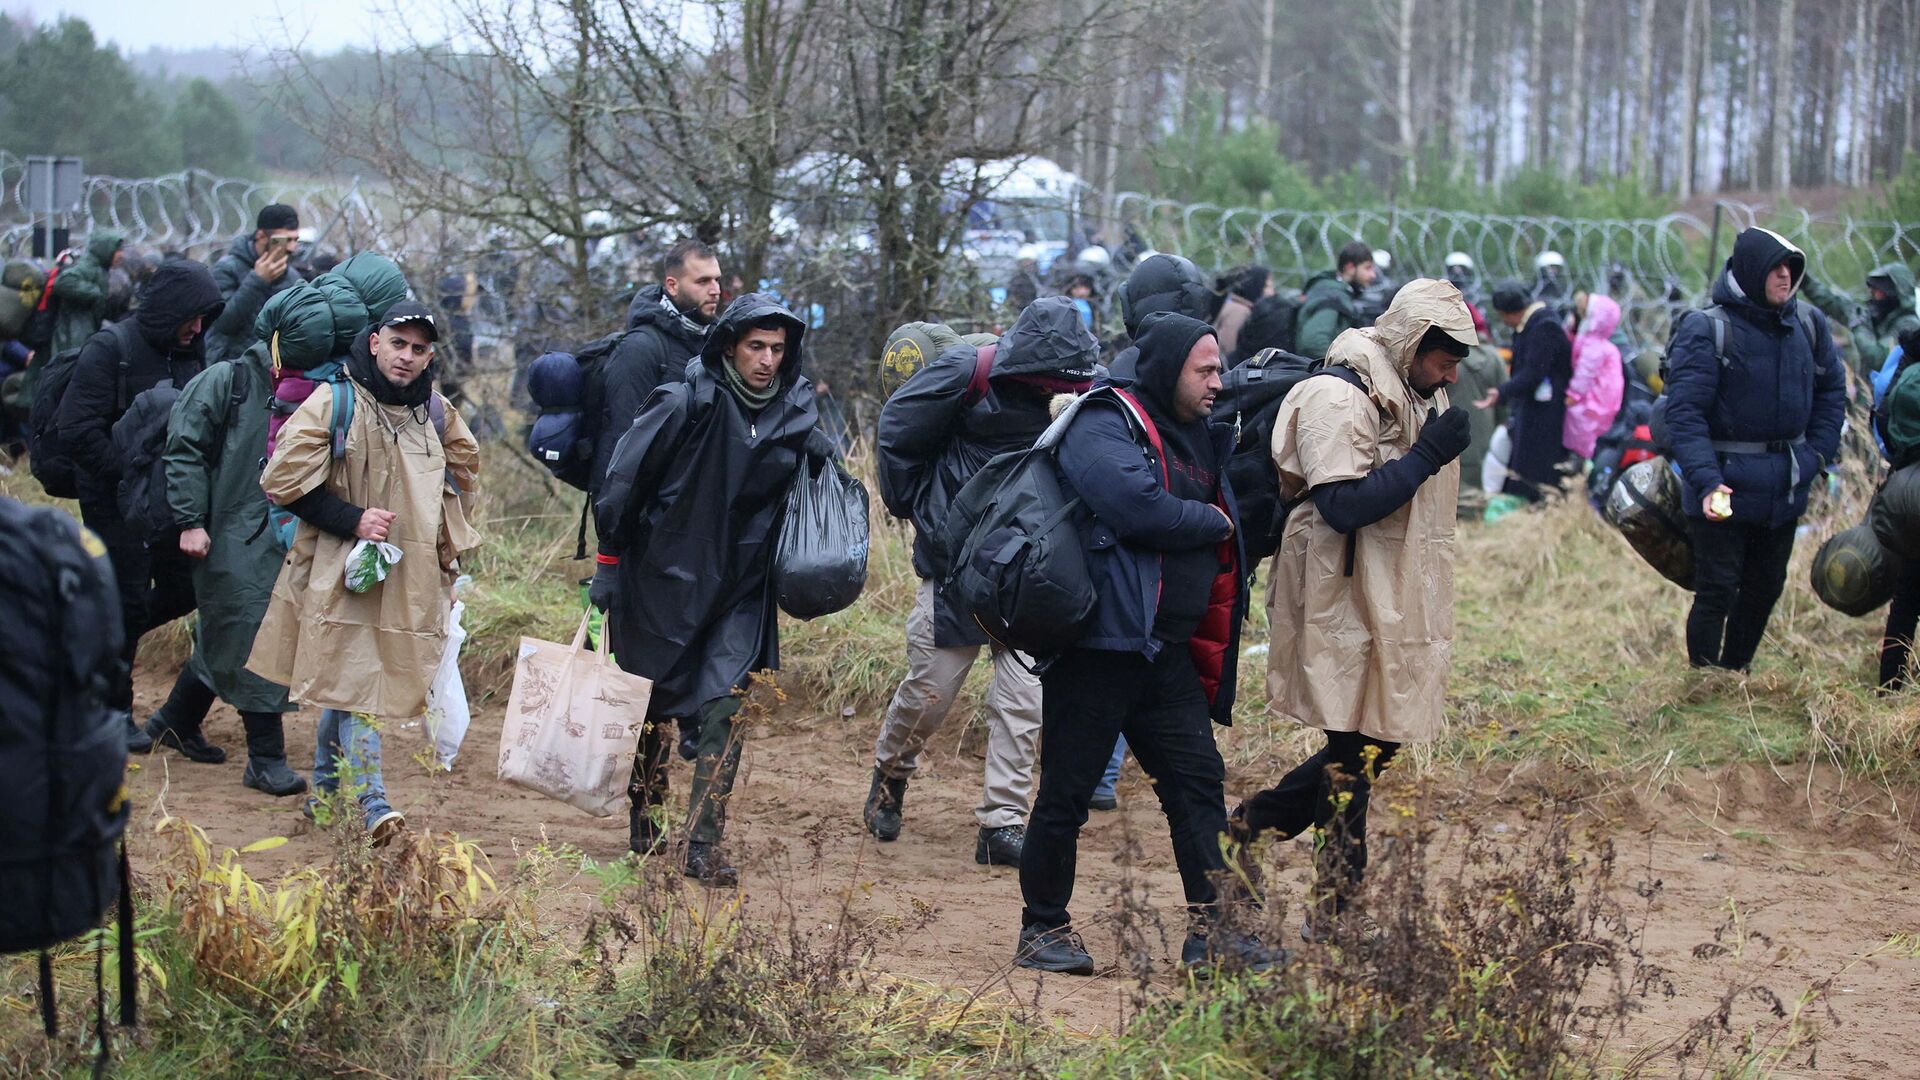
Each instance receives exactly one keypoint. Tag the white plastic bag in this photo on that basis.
(448, 713)
(368, 563)
(573, 724)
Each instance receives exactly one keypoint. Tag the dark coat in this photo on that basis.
(1542, 356)
(1779, 384)
(932, 440)
(100, 391)
(691, 505)
(1134, 519)
(245, 293)
(658, 343)
(80, 292)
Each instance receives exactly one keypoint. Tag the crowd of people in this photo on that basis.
(318, 495)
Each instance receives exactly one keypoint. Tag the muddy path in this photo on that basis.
(1806, 878)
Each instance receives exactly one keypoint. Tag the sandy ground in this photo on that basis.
(1819, 874)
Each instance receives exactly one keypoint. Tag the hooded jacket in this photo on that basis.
(1768, 421)
(1367, 651)
(691, 506)
(1161, 282)
(660, 339)
(374, 652)
(213, 460)
(932, 439)
(1874, 333)
(1598, 382)
(1536, 395)
(1135, 521)
(1331, 307)
(80, 291)
(125, 358)
(245, 293)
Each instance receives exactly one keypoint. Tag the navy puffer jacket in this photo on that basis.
(1765, 418)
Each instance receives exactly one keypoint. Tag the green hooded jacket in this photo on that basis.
(1873, 337)
(80, 291)
(215, 442)
(1328, 310)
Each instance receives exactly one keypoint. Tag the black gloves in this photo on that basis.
(606, 583)
(1444, 437)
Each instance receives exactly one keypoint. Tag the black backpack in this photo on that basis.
(140, 441)
(1251, 395)
(50, 460)
(63, 753)
(1274, 324)
(1015, 545)
(567, 389)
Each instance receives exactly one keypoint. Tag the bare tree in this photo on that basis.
(1643, 89)
(1690, 89)
(1576, 144)
(1782, 101)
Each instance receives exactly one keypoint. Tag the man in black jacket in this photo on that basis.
(1158, 660)
(666, 327)
(936, 431)
(164, 339)
(689, 516)
(256, 266)
(1536, 393)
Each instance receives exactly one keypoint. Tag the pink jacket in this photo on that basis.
(1598, 380)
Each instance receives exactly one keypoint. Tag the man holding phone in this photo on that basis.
(256, 266)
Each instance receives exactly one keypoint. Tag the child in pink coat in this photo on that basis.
(1593, 397)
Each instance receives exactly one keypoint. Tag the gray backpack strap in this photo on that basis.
(1717, 315)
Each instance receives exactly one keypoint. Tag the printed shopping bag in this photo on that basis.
(572, 723)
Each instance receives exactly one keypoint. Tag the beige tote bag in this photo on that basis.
(572, 724)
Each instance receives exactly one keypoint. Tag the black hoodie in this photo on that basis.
(128, 357)
(1186, 576)
(1755, 253)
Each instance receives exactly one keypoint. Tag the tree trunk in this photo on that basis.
(1690, 96)
(1463, 93)
(1643, 91)
(1537, 87)
(1782, 100)
(1576, 160)
(1864, 26)
(1403, 93)
(1263, 90)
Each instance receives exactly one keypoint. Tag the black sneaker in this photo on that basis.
(1001, 846)
(1223, 950)
(192, 744)
(884, 802)
(138, 741)
(1052, 948)
(706, 865)
(1104, 802)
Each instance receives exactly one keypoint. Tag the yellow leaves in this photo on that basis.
(267, 844)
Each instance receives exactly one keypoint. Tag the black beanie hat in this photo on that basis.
(1510, 296)
(1253, 283)
(277, 216)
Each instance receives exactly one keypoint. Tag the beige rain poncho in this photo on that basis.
(1366, 653)
(372, 652)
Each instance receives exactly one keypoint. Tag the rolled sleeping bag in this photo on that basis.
(1852, 573)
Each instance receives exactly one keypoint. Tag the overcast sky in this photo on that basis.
(137, 25)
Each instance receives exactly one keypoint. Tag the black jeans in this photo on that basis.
(1088, 697)
(156, 587)
(1902, 618)
(1309, 796)
(1739, 571)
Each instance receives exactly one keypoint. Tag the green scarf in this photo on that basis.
(754, 400)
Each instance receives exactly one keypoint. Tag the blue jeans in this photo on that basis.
(1112, 777)
(349, 735)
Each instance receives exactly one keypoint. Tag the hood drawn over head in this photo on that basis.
(1897, 280)
(1421, 304)
(1164, 282)
(102, 243)
(739, 317)
(1756, 252)
(1049, 338)
(297, 325)
(177, 291)
(1603, 317)
(1166, 338)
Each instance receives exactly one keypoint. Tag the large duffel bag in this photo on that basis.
(1853, 573)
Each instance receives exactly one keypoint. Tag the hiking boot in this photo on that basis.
(384, 823)
(192, 744)
(267, 757)
(1052, 948)
(644, 835)
(138, 741)
(1107, 801)
(1001, 846)
(706, 865)
(1221, 950)
(884, 801)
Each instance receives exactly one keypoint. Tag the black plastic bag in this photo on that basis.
(820, 565)
(1853, 573)
(1644, 504)
(1895, 513)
